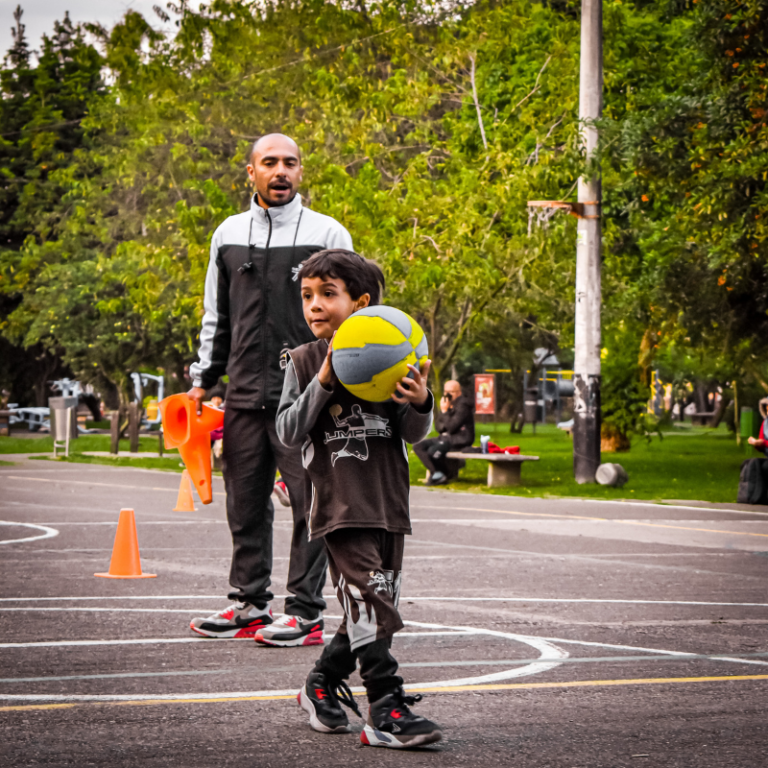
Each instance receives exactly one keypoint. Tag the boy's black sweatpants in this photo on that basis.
(365, 566)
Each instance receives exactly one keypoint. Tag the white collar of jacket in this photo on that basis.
(281, 215)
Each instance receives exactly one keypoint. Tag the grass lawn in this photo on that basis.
(44, 444)
(694, 463)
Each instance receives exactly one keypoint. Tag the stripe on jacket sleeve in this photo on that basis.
(215, 331)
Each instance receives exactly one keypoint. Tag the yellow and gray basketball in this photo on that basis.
(373, 348)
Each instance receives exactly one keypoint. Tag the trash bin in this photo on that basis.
(63, 422)
(749, 423)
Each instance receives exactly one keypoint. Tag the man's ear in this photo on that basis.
(363, 301)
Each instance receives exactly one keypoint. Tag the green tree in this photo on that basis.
(41, 109)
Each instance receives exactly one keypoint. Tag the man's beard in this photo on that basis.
(279, 203)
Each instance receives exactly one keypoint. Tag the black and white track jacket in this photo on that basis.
(253, 312)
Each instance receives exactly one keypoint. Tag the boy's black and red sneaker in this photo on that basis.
(391, 724)
(322, 699)
(238, 620)
(289, 631)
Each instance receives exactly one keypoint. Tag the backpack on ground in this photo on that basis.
(753, 483)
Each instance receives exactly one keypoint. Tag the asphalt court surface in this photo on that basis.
(542, 632)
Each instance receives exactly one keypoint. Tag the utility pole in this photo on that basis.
(586, 376)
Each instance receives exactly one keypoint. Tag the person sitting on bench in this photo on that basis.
(456, 426)
(760, 443)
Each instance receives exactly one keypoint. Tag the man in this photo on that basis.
(253, 315)
(760, 443)
(456, 426)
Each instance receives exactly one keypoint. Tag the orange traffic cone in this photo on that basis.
(126, 563)
(185, 502)
(191, 434)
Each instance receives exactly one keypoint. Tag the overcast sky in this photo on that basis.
(39, 15)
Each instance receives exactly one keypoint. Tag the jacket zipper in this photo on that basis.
(264, 314)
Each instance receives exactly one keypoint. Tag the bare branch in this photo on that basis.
(535, 154)
(477, 103)
(427, 237)
(535, 85)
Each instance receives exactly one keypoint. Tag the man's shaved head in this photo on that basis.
(452, 388)
(275, 169)
(272, 140)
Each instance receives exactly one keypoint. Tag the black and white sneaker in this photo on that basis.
(289, 631)
(323, 699)
(391, 724)
(238, 620)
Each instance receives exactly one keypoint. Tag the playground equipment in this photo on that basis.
(37, 418)
(34, 418)
(191, 434)
(551, 385)
(152, 414)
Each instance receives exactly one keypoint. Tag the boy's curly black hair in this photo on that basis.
(359, 274)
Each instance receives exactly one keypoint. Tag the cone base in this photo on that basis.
(140, 576)
(184, 509)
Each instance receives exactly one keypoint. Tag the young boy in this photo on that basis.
(356, 459)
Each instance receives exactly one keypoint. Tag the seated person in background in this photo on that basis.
(456, 426)
(760, 443)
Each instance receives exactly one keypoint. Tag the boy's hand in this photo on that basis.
(325, 374)
(413, 390)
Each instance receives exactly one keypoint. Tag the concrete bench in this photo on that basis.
(503, 468)
(702, 419)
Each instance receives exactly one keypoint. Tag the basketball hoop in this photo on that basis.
(544, 210)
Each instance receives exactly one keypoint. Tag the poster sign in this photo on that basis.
(485, 393)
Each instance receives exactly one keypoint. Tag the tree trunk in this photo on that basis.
(719, 413)
(612, 441)
(700, 397)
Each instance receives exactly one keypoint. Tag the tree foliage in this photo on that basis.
(425, 130)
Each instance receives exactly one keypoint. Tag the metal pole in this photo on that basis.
(586, 377)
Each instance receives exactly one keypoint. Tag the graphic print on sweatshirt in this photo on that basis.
(354, 429)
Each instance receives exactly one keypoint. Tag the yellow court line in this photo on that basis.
(416, 689)
(606, 520)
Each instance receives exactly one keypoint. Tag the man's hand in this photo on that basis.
(197, 394)
(325, 374)
(445, 403)
(413, 390)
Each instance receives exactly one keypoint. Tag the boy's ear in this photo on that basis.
(363, 301)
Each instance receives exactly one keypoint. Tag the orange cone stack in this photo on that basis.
(185, 502)
(191, 434)
(126, 562)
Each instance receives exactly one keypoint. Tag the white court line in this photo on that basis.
(551, 657)
(206, 641)
(681, 654)
(142, 522)
(48, 533)
(111, 610)
(629, 503)
(585, 600)
(658, 504)
(86, 482)
(406, 664)
(402, 599)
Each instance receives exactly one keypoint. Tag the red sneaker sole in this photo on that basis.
(314, 638)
